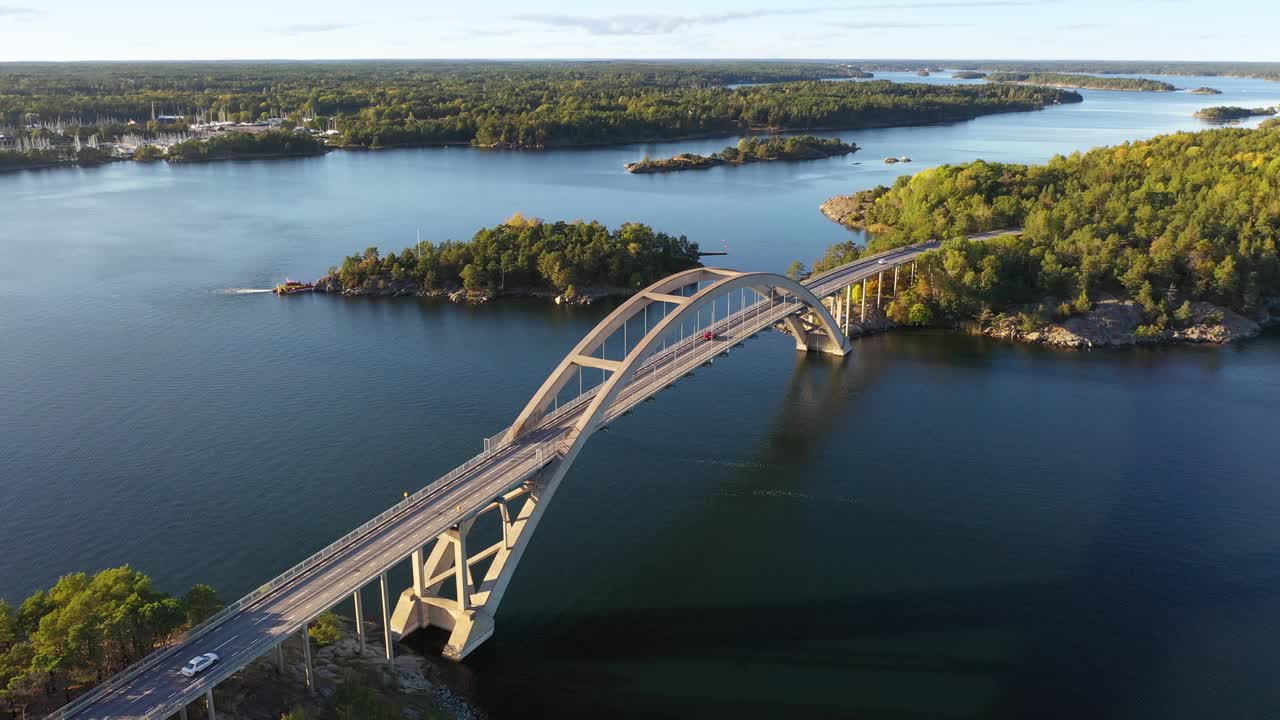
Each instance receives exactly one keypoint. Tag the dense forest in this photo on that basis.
(85, 628)
(530, 105)
(524, 254)
(1227, 113)
(749, 150)
(1091, 82)
(1179, 218)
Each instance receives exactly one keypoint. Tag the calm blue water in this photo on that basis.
(938, 526)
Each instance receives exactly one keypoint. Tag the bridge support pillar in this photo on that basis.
(182, 714)
(879, 288)
(445, 592)
(208, 698)
(864, 300)
(386, 620)
(359, 612)
(895, 282)
(848, 300)
(280, 658)
(307, 670)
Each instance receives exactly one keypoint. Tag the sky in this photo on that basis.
(951, 29)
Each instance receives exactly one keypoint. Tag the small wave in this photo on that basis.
(242, 291)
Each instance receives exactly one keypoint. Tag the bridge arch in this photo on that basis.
(722, 282)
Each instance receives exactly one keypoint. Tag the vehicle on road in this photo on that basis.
(880, 261)
(710, 335)
(198, 664)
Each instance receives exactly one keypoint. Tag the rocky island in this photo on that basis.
(1086, 82)
(1229, 113)
(750, 150)
(968, 75)
(1095, 264)
(575, 262)
(1202, 90)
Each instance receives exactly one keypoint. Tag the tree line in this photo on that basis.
(528, 254)
(1163, 222)
(85, 628)
(527, 105)
(1093, 82)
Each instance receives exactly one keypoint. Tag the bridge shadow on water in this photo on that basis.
(1093, 639)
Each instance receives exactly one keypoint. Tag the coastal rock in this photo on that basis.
(891, 160)
(848, 210)
(1115, 323)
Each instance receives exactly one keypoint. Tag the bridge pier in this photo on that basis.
(280, 658)
(307, 670)
(448, 569)
(864, 300)
(182, 714)
(208, 698)
(359, 612)
(386, 620)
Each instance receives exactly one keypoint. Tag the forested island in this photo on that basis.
(233, 145)
(1088, 82)
(1228, 113)
(1204, 90)
(151, 108)
(750, 150)
(570, 261)
(1176, 236)
(968, 75)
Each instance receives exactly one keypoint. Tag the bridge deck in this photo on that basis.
(155, 689)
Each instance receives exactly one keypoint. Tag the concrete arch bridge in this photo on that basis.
(641, 349)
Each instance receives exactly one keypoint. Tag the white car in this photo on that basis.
(198, 664)
(880, 261)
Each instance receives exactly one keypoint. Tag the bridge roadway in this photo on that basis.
(156, 689)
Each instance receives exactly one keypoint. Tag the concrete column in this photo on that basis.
(208, 698)
(506, 523)
(280, 657)
(306, 658)
(462, 575)
(419, 582)
(879, 288)
(848, 301)
(182, 714)
(864, 299)
(895, 282)
(355, 596)
(386, 620)
(913, 272)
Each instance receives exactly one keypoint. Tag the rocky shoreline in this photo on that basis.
(1116, 323)
(414, 687)
(849, 210)
(388, 287)
(1111, 323)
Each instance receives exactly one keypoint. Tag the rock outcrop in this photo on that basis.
(1116, 323)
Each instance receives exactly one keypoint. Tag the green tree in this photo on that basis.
(201, 602)
(326, 629)
(797, 270)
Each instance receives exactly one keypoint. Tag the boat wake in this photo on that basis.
(242, 291)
